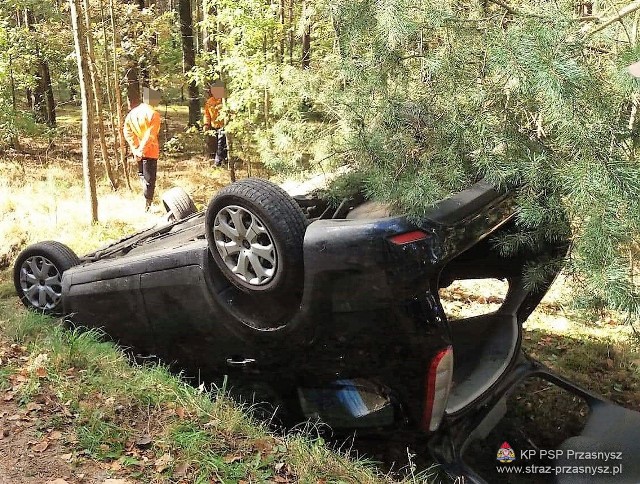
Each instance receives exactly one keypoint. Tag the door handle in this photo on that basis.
(240, 362)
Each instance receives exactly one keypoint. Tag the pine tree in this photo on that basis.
(431, 97)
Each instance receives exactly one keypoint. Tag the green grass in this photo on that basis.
(110, 403)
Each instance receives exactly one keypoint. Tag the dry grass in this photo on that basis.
(42, 195)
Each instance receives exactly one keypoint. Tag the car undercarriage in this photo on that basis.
(330, 312)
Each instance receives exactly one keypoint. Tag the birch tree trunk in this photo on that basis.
(88, 168)
(117, 92)
(108, 82)
(96, 93)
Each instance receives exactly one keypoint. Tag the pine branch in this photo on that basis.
(512, 10)
(632, 7)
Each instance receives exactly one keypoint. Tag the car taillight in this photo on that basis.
(408, 237)
(437, 389)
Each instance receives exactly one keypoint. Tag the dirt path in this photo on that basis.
(33, 452)
(36, 443)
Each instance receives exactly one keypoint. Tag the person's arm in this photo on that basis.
(128, 134)
(152, 132)
(207, 116)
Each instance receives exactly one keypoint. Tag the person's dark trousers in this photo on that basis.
(147, 169)
(212, 143)
(221, 151)
(217, 146)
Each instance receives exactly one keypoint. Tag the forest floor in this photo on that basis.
(73, 410)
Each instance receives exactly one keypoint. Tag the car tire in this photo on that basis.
(265, 255)
(37, 275)
(178, 204)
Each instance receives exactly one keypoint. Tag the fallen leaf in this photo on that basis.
(213, 423)
(115, 466)
(55, 435)
(281, 479)
(180, 412)
(144, 440)
(33, 407)
(162, 463)
(58, 481)
(41, 446)
(181, 470)
(228, 459)
(263, 445)
(41, 372)
(67, 457)
(104, 447)
(8, 397)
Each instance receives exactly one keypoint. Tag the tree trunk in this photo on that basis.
(14, 104)
(48, 89)
(281, 18)
(118, 97)
(108, 85)
(88, 169)
(291, 32)
(13, 85)
(96, 94)
(196, 25)
(266, 107)
(306, 38)
(145, 67)
(208, 31)
(42, 103)
(133, 84)
(189, 57)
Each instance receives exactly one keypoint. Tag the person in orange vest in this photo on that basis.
(141, 128)
(214, 125)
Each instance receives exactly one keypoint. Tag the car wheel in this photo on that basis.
(178, 204)
(37, 275)
(255, 232)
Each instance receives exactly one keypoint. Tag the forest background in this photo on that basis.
(419, 98)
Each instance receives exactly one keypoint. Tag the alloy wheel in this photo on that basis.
(41, 282)
(245, 245)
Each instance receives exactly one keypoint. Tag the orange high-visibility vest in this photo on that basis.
(141, 128)
(212, 113)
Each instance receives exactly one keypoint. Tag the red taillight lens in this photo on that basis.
(408, 237)
(437, 389)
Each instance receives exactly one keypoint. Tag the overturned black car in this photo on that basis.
(331, 314)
